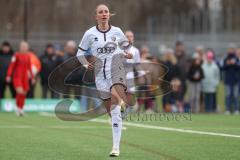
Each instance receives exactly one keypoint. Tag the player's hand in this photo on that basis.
(33, 81)
(8, 79)
(128, 55)
(90, 66)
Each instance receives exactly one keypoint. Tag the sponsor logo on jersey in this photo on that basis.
(109, 48)
(106, 50)
(96, 39)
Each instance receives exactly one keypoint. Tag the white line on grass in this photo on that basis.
(167, 128)
(171, 129)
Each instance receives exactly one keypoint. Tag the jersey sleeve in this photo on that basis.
(83, 49)
(85, 42)
(120, 34)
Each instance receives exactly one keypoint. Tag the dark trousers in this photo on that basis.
(31, 90)
(45, 90)
(231, 95)
(3, 86)
(210, 102)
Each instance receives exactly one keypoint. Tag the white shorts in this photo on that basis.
(104, 87)
(130, 82)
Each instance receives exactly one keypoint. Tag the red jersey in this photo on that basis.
(20, 70)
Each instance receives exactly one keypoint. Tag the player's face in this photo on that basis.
(23, 47)
(102, 14)
(130, 37)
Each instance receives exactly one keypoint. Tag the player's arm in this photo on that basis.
(125, 44)
(82, 50)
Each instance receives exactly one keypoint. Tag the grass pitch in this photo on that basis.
(37, 137)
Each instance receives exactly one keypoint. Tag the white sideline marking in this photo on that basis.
(171, 129)
(167, 128)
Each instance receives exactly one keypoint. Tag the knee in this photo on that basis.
(115, 110)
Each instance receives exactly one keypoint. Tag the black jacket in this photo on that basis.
(195, 73)
(5, 59)
(231, 71)
(183, 63)
(172, 71)
(48, 65)
(76, 77)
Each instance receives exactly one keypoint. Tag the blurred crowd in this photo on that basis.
(194, 77)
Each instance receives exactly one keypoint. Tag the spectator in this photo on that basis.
(75, 78)
(210, 82)
(49, 61)
(88, 81)
(183, 65)
(146, 80)
(6, 54)
(195, 75)
(35, 67)
(169, 100)
(231, 79)
(238, 55)
(201, 52)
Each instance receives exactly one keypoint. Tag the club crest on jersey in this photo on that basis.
(113, 38)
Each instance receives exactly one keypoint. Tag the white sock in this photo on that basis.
(116, 126)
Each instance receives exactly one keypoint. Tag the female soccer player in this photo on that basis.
(103, 40)
(20, 71)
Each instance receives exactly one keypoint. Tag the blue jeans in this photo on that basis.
(87, 101)
(209, 102)
(231, 94)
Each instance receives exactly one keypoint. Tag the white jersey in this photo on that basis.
(136, 59)
(103, 46)
(136, 55)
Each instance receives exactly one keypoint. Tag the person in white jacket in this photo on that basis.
(210, 82)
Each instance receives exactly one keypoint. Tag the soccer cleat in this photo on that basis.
(227, 113)
(114, 153)
(236, 112)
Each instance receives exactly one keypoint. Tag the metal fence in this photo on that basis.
(212, 29)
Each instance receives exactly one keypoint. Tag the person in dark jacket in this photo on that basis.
(75, 78)
(6, 53)
(195, 76)
(170, 100)
(231, 80)
(183, 62)
(49, 61)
